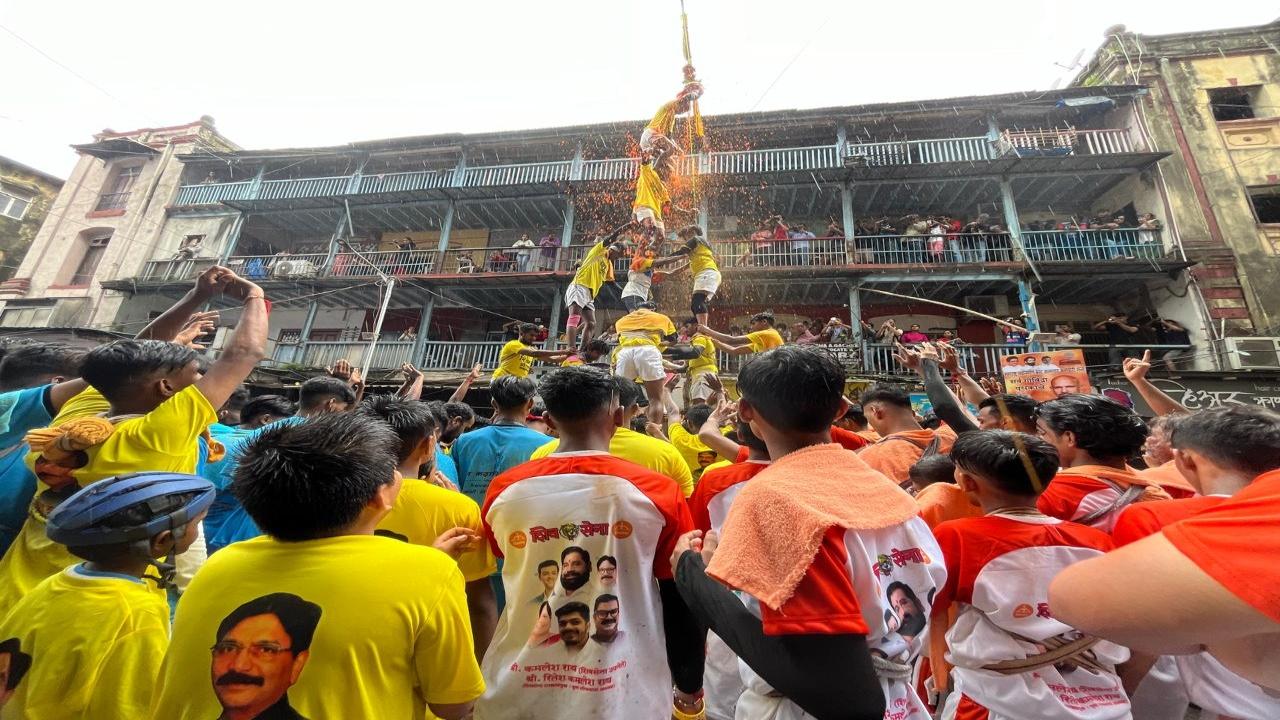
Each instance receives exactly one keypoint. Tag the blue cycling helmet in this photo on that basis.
(78, 520)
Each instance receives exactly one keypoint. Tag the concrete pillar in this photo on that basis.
(424, 324)
(553, 326)
(1014, 225)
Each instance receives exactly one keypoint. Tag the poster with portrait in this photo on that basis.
(1045, 375)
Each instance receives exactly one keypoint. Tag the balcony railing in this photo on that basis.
(387, 354)
(278, 267)
(168, 270)
(1034, 142)
(921, 152)
(395, 262)
(112, 201)
(448, 355)
(1092, 245)
(213, 193)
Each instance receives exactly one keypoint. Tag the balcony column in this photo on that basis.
(233, 238)
(553, 329)
(446, 229)
(304, 334)
(704, 216)
(855, 309)
(566, 234)
(419, 350)
(575, 169)
(846, 218)
(1027, 300)
(1013, 225)
(255, 185)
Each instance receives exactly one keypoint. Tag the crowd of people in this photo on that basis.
(176, 548)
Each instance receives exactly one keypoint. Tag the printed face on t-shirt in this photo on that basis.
(573, 626)
(575, 570)
(548, 574)
(254, 664)
(607, 572)
(606, 618)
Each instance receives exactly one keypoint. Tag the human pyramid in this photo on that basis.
(177, 549)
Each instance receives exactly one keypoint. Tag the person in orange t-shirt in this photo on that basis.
(1094, 437)
(902, 441)
(939, 497)
(1209, 577)
(1157, 453)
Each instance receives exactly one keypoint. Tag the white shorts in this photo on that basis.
(640, 361)
(642, 213)
(579, 295)
(699, 388)
(649, 139)
(707, 281)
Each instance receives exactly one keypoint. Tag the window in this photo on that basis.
(13, 204)
(89, 263)
(1232, 103)
(1266, 203)
(26, 314)
(116, 194)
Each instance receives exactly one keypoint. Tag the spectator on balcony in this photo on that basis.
(499, 261)
(913, 235)
(210, 179)
(976, 241)
(801, 245)
(1015, 331)
(913, 336)
(524, 253)
(948, 337)
(409, 334)
(800, 334)
(1066, 335)
(550, 245)
(190, 248)
(466, 263)
(937, 242)
(835, 332)
(1171, 332)
(1119, 332)
(999, 243)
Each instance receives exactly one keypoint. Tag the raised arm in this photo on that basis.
(970, 390)
(722, 337)
(465, 385)
(412, 387)
(247, 345)
(1135, 371)
(711, 436)
(945, 404)
(171, 321)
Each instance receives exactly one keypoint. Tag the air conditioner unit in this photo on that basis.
(994, 305)
(1251, 353)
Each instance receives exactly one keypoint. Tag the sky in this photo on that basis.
(280, 73)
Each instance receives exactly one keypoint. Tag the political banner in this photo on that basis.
(1045, 375)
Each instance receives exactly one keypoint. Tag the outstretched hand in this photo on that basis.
(992, 385)
(410, 372)
(1136, 370)
(201, 323)
(950, 360)
(906, 357)
(341, 370)
(456, 541)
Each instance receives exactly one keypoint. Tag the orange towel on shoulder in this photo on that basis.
(894, 454)
(1123, 478)
(942, 501)
(1168, 477)
(777, 522)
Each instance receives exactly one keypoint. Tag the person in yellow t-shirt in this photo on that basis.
(88, 641)
(321, 617)
(590, 354)
(683, 434)
(655, 139)
(649, 452)
(761, 337)
(641, 335)
(424, 512)
(159, 406)
(652, 201)
(702, 370)
(517, 356)
(703, 268)
(596, 269)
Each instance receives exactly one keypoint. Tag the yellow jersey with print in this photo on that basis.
(163, 440)
(596, 269)
(701, 259)
(94, 642)
(643, 327)
(696, 454)
(424, 512)
(384, 625)
(762, 340)
(511, 362)
(706, 362)
(572, 361)
(643, 450)
(650, 191)
(664, 121)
